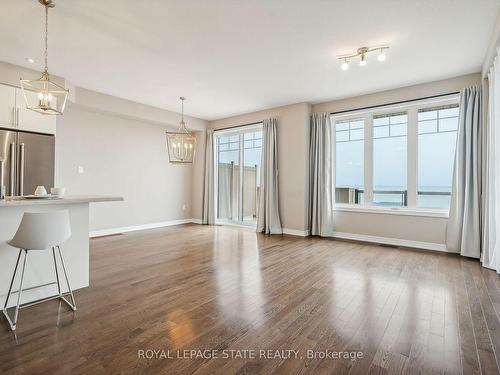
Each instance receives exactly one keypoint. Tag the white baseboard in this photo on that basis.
(293, 232)
(161, 224)
(296, 232)
(391, 241)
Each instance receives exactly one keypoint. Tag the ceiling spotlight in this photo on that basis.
(345, 65)
(381, 56)
(362, 53)
(30, 60)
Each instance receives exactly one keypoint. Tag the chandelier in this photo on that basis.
(181, 144)
(362, 52)
(42, 95)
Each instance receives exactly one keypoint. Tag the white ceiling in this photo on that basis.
(235, 56)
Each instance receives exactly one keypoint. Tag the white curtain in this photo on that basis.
(491, 227)
(463, 232)
(268, 217)
(208, 215)
(320, 176)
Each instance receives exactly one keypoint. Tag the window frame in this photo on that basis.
(411, 108)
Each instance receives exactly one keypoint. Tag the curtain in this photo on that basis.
(463, 233)
(268, 218)
(208, 215)
(490, 256)
(320, 176)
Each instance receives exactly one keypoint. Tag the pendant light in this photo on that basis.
(42, 95)
(181, 144)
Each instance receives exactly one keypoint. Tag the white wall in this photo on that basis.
(121, 157)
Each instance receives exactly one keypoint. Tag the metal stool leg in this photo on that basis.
(57, 272)
(13, 322)
(72, 304)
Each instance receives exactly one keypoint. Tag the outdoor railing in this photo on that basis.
(354, 196)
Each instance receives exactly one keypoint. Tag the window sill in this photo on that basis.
(442, 213)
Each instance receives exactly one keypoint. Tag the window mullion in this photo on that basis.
(368, 159)
(412, 139)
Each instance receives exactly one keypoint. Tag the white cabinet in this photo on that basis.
(31, 120)
(7, 106)
(15, 115)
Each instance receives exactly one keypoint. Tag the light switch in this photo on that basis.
(81, 170)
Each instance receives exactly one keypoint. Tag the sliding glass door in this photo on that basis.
(237, 174)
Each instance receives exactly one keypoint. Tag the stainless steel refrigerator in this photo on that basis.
(28, 161)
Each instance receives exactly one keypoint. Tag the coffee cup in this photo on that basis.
(58, 191)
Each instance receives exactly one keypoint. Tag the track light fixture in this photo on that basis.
(363, 52)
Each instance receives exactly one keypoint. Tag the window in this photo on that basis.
(238, 157)
(389, 159)
(437, 134)
(349, 138)
(398, 156)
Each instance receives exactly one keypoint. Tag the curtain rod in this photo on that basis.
(394, 103)
(237, 126)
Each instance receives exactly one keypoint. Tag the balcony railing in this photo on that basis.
(400, 197)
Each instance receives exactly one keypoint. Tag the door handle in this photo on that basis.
(21, 169)
(12, 168)
(17, 117)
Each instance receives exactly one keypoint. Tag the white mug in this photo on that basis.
(58, 191)
(40, 191)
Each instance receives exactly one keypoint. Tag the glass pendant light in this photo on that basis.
(42, 95)
(181, 144)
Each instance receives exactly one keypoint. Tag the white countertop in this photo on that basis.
(67, 199)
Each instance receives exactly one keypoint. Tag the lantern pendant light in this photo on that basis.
(181, 144)
(42, 95)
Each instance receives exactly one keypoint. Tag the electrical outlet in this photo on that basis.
(184, 207)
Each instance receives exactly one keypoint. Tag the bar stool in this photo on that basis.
(40, 231)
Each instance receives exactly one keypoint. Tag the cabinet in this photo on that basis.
(7, 106)
(15, 115)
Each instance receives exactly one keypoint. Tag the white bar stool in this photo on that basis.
(40, 231)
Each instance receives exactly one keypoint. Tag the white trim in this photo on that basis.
(296, 232)
(392, 210)
(161, 224)
(392, 241)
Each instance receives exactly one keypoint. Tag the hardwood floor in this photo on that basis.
(196, 287)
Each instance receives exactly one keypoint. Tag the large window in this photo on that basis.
(349, 138)
(238, 155)
(437, 134)
(399, 155)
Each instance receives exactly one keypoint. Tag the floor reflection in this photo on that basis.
(237, 272)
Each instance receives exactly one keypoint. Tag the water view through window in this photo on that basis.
(433, 134)
(437, 134)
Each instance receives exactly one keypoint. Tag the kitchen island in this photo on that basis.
(39, 265)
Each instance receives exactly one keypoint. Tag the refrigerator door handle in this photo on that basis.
(21, 170)
(12, 168)
(17, 117)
